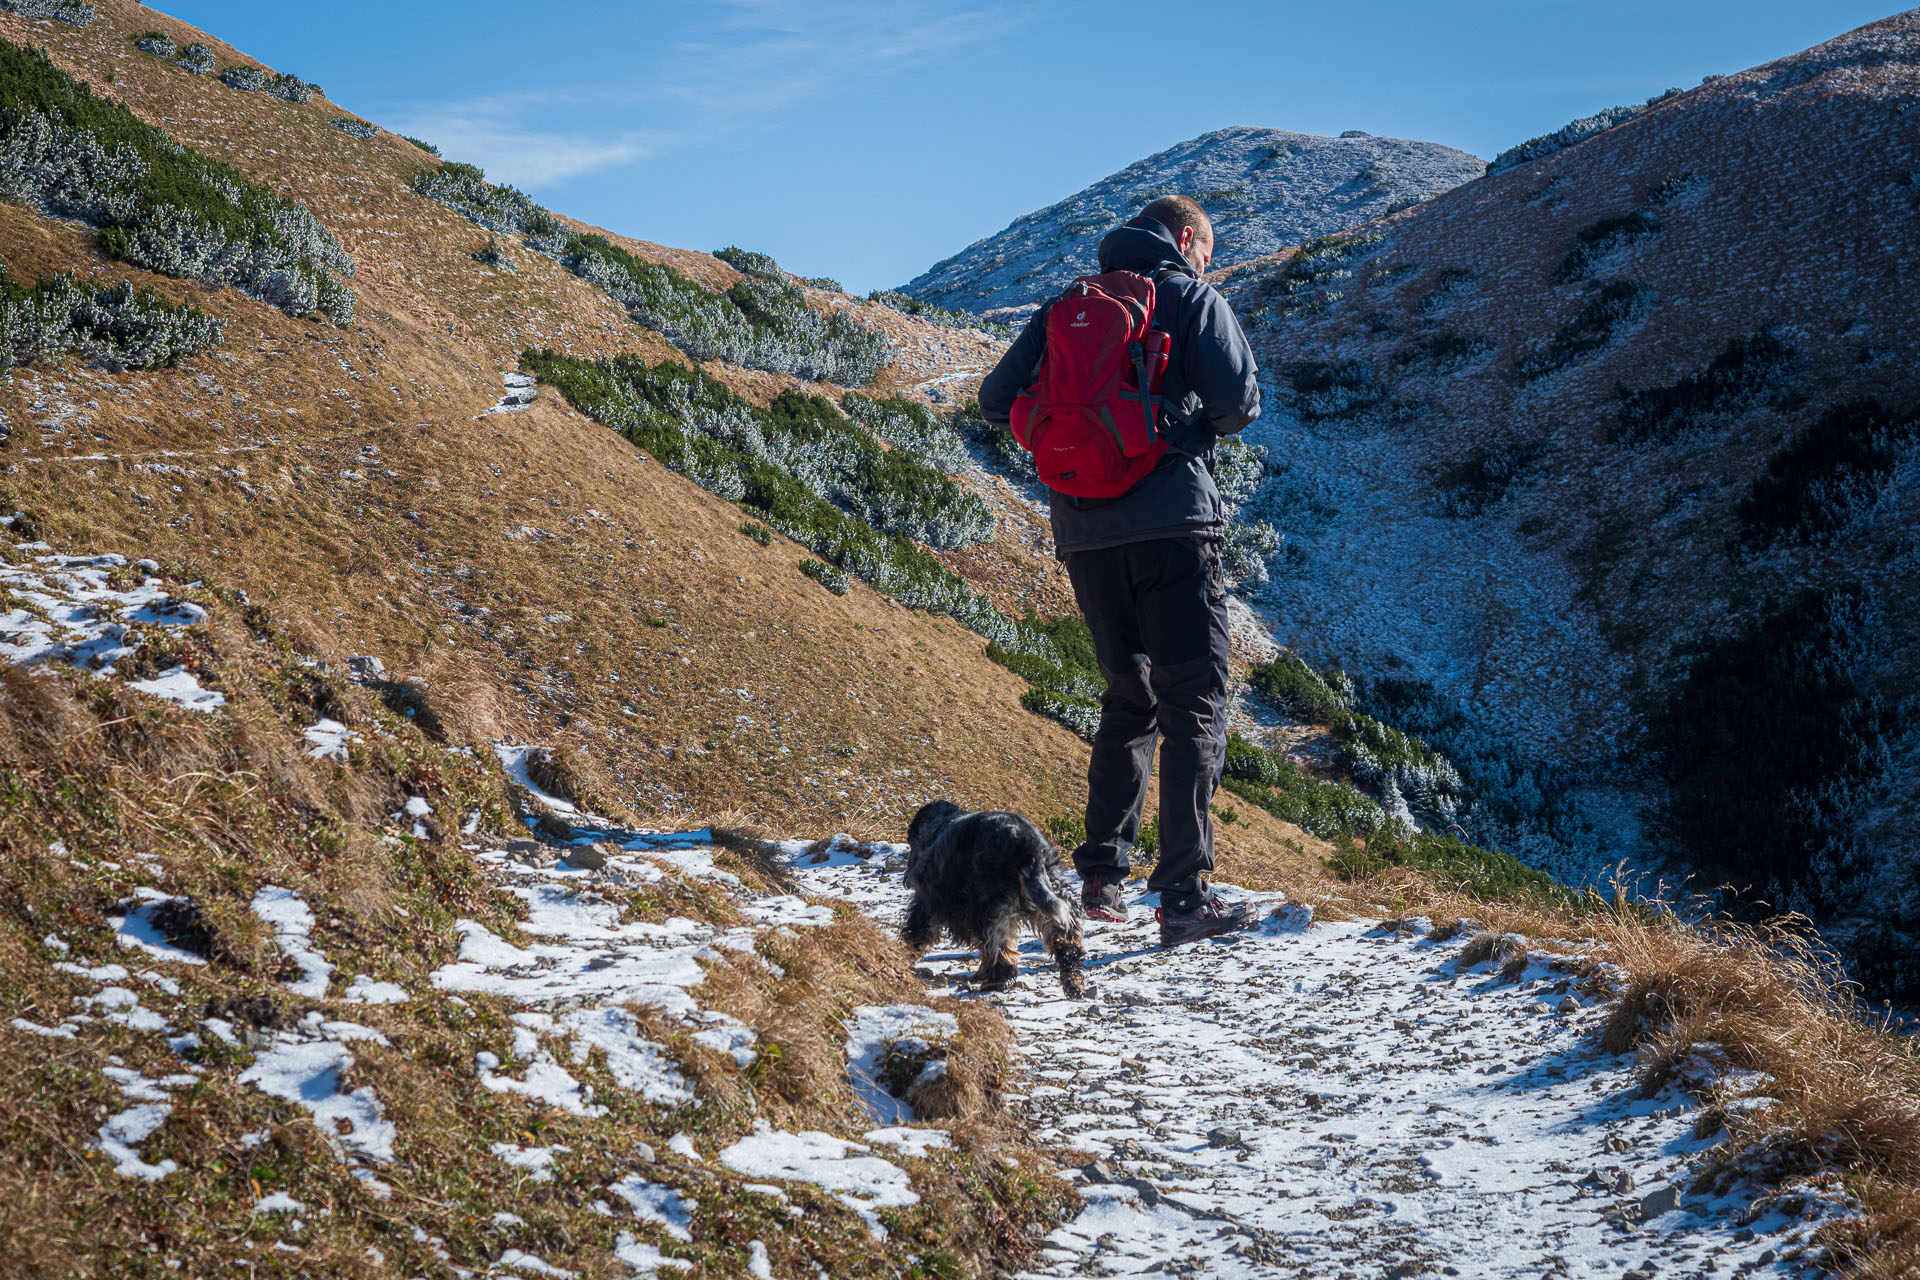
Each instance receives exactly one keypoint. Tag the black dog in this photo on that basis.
(980, 876)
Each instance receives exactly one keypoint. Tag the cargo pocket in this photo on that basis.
(1216, 576)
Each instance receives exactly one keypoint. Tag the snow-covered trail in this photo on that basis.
(1344, 1100)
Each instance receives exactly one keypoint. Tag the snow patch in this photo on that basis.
(292, 922)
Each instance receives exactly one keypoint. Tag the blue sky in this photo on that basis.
(866, 141)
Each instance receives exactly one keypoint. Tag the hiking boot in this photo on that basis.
(1103, 899)
(1209, 918)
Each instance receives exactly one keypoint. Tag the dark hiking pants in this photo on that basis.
(1158, 614)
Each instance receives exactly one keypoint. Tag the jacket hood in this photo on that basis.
(1143, 245)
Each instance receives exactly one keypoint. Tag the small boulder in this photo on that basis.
(1219, 1138)
(1665, 1200)
(586, 858)
(1569, 1005)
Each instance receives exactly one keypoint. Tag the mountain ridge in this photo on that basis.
(1264, 188)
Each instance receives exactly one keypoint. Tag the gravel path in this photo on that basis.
(1345, 1100)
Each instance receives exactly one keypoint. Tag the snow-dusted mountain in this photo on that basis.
(1266, 189)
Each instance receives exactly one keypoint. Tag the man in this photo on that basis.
(1146, 571)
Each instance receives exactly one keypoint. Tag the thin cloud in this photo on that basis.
(742, 62)
(502, 135)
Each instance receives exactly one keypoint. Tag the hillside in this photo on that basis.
(1265, 189)
(441, 640)
(1601, 476)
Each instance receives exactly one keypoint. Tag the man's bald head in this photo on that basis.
(1191, 227)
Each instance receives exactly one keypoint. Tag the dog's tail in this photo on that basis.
(1041, 893)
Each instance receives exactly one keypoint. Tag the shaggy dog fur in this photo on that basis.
(979, 877)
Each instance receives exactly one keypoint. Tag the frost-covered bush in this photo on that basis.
(907, 424)
(1828, 477)
(760, 323)
(1736, 379)
(75, 13)
(115, 327)
(746, 262)
(945, 317)
(1417, 786)
(356, 128)
(157, 204)
(245, 79)
(1480, 481)
(1578, 131)
(1293, 687)
(292, 89)
(1082, 715)
(833, 579)
(828, 283)
(1771, 745)
(1326, 390)
(494, 256)
(1601, 240)
(196, 58)
(157, 43)
(1240, 472)
(1599, 320)
(783, 463)
(996, 443)
(1327, 809)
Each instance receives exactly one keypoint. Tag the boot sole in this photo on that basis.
(1167, 944)
(1105, 913)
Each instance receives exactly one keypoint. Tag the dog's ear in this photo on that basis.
(928, 823)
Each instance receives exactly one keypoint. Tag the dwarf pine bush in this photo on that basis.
(115, 327)
(1827, 477)
(763, 322)
(833, 579)
(245, 79)
(492, 255)
(156, 203)
(1735, 379)
(945, 317)
(427, 147)
(196, 58)
(157, 43)
(292, 88)
(783, 463)
(1770, 743)
(910, 425)
(356, 128)
(1602, 239)
(1617, 304)
(1081, 715)
(1325, 391)
(1567, 135)
(75, 13)
(749, 263)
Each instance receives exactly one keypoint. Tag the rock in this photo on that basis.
(589, 858)
(1218, 1138)
(1401, 1024)
(368, 668)
(524, 848)
(1568, 1005)
(1665, 1200)
(1149, 1194)
(1097, 1171)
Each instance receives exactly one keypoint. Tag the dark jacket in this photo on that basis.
(1211, 378)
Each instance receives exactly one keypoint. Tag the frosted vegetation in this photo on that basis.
(356, 128)
(946, 317)
(1577, 131)
(75, 13)
(115, 327)
(762, 322)
(155, 203)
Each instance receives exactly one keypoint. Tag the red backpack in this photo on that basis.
(1092, 416)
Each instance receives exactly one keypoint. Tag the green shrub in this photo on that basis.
(1325, 809)
(1444, 352)
(1082, 715)
(1768, 742)
(427, 147)
(156, 203)
(157, 43)
(1826, 475)
(751, 264)
(1598, 240)
(828, 283)
(758, 532)
(1733, 380)
(833, 579)
(493, 255)
(697, 426)
(74, 13)
(196, 58)
(910, 425)
(1326, 390)
(1055, 655)
(1594, 326)
(1293, 688)
(115, 327)
(1250, 763)
(996, 441)
(1453, 863)
(1481, 479)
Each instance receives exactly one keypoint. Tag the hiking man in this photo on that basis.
(1144, 561)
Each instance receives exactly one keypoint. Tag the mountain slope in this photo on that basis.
(1603, 476)
(1264, 188)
